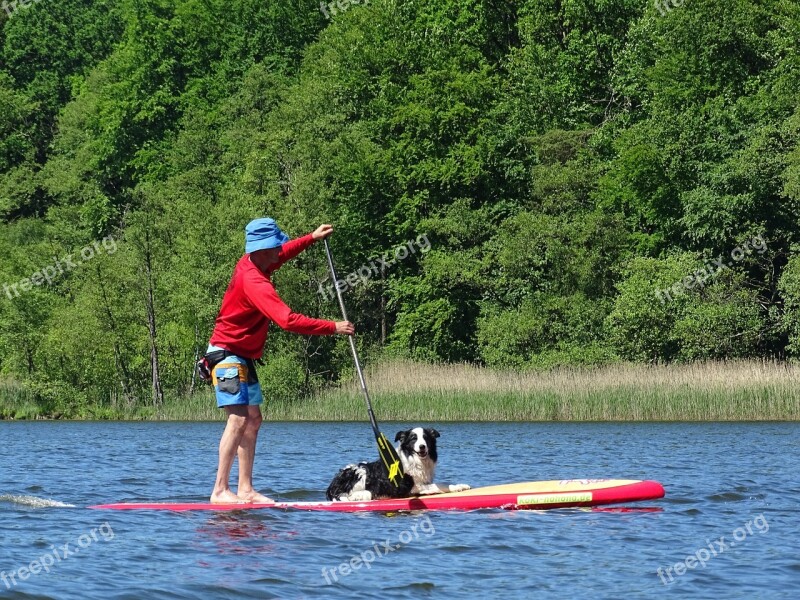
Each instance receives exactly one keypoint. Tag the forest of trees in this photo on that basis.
(594, 181)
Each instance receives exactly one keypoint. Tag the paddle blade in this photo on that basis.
(391, 460)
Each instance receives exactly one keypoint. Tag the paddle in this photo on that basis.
(389, 457)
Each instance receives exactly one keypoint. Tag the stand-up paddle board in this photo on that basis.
(513, 496)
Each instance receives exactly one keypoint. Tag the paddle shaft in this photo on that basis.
(351, 339)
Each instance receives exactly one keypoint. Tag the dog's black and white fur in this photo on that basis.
(368, 480)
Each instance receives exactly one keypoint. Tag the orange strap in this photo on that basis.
(223, 365)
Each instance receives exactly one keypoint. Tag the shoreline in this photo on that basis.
(740, 391)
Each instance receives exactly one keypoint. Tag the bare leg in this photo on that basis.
(247, 456)
(231, 438)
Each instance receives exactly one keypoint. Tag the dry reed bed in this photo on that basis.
(464, 378)
(724, 391)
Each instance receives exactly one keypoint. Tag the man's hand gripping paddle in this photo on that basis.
(389, 457)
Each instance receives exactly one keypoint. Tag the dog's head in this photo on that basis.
(418, 441)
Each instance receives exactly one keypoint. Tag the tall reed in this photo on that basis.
(16, 402)
(711, 391)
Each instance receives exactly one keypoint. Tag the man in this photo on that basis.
(249, 305)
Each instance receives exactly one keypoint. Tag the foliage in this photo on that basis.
(565, 160)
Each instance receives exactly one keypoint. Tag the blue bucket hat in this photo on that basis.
(262, 234)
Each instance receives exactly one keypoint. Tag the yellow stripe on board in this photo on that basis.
(554, 498)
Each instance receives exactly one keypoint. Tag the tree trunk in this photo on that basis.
(197, 352)
(383, 305)
(29, 359)
(119, 362)
(158, 392)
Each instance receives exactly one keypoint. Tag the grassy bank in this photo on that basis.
(17, 402)
(732, 391)
(405, 391)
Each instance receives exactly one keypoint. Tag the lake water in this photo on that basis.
(731, 505)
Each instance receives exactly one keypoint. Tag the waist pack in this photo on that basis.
(208, 361)
(211, 359)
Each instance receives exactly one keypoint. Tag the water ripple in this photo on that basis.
(719, 478)
(34, 502)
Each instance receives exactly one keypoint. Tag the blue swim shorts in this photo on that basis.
(235, 381)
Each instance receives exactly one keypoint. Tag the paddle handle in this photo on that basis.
(351, 339)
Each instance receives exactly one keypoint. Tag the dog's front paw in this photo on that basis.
(427, 490)
(459, 487)
(360, 496)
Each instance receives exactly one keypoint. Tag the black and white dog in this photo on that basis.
(368, 480)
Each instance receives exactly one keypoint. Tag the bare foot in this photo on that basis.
(226, 497)
(255, 498)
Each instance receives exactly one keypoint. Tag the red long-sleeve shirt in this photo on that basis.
(251, 303)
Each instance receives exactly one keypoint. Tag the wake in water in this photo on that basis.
(34, 502)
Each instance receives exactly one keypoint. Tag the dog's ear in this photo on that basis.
(433, 432)
(401, 436)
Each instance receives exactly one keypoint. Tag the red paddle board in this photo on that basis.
(513, 496)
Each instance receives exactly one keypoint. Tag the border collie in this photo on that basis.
(368, 480)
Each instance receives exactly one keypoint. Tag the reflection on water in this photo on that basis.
(242, 533)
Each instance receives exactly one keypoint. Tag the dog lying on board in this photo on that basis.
(368, 480)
